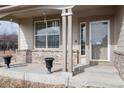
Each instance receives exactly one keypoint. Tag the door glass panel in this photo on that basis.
(83, 38)
(99, 40)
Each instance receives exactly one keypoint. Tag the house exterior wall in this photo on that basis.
(120, 28)
(29, 53)
(93, 15)
(119, 52)
(38, 55)
(26, 34)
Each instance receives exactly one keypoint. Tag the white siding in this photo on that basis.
(26, 34)
(76, 33)
(120, 28)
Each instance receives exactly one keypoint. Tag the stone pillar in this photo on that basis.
(64, 39)
(70, 40)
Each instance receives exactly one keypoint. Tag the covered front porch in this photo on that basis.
(97, 76)
(72, 45)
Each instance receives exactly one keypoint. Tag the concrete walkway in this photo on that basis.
(94, 76)
(98, 76)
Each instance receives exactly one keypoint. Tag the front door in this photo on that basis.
(83, 42)
(99, 40)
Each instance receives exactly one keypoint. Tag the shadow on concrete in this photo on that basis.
(58, 70)
(18, 65)
(81, 68)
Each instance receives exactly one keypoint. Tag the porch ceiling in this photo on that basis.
(39, 10)
(26, 11)
(89, 7)
(49, 10)
(35, 13)
(94, 10)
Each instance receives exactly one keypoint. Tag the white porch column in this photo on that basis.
(64, 39)
(67, 39)
(70, 40)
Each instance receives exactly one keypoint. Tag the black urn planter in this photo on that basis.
(7, 60)
(49, 63)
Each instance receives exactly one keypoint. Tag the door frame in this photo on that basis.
(108, 36)
(83, 56)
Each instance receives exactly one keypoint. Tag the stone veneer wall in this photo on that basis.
(37, 56)
(119, 62)
(21, 56)
(119, 52)
(75, 57)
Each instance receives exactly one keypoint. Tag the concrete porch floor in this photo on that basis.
(94, 76)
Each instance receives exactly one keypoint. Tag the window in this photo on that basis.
(47, 34)
(83, 38)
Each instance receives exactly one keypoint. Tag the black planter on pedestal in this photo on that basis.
(49, 63)
(7, 60)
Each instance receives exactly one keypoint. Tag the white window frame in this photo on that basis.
(46, 33)
(108, 58)
(85, 38)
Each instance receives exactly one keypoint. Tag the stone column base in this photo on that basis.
(119, 62)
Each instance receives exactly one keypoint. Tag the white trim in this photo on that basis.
(45, 34)
(19, 40)
(108, 58)
(34, 43)
(46, 20)
(99, 60)
(109, 38)
(66, 14)
(80, 38)
(83, 57)
(66, 7)
(4, 15)
(28, 9)
(90, 41)
(9, 7)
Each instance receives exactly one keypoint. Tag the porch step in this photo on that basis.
(101, 69)
(98, 76)
(104, 63)
(88, 79)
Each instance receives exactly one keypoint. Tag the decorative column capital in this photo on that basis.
(67, 12)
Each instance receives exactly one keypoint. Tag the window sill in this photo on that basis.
(47, 49)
